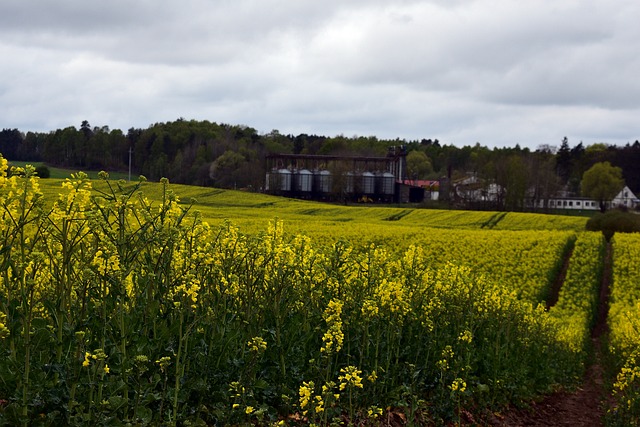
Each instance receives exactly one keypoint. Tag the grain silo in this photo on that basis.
(304, 181)
(386, 184)
(322, 181)
(350, 183)
(368, 183)
(284, 180)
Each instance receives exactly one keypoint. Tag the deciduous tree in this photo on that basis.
(602, 182)
(418, 165)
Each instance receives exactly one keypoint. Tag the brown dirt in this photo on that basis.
(557, 283)
(583, 407)
(580, 408)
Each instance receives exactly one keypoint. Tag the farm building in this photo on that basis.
(625, 198)
(431, 188)
(473, 191)
(342, 177)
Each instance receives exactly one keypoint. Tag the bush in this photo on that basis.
(43, 172)
(614, 221)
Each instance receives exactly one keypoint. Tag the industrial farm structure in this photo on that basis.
(338, 177)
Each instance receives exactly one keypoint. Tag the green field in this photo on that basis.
(61, 173)
(253, 211)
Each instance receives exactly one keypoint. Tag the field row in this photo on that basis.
(577, 303)
(624, 324)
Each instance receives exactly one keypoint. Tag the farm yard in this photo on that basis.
(132, 304)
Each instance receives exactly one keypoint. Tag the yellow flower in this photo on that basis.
(306, 389)
(257, 344)
(350, 376)
(164, 362)
(458, 385)
(447, 354)
(106, 369)
(319, 405)
(4, 331)
(334, 337)
(466, 336)
(374, 412)
(248, 410)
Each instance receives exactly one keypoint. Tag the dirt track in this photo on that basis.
(584, 406)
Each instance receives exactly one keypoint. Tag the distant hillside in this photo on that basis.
(252, 213)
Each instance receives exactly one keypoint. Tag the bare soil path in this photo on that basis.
(584, 406)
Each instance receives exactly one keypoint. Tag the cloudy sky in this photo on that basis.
(498, 72)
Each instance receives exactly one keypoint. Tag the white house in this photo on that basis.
(473, 189)
(624, 198)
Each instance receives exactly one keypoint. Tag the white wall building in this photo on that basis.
(624, 198)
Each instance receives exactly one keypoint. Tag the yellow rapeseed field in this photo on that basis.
(118, 302)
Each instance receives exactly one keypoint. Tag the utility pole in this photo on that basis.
(130, 149)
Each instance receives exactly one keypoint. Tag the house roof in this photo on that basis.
(629, 195)
(424, 183)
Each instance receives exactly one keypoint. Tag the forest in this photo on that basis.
(233, 156)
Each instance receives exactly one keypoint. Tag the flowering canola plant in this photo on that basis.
(576, 308)
(624, 325)
(259, 328)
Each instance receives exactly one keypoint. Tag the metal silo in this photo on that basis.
(322, 181)
(368, 183)
(304, 180)
(284, 180)
(387, 184)
(349, 187)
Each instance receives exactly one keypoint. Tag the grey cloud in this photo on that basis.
(496, 72)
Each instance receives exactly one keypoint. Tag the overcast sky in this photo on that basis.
(497, 72)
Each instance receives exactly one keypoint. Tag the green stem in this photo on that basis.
(377, 352)
(90, 403)
(100, 388)
(138, 391)
(163, 398)
(350, 405)
(76, 375)
(27, 368)
(178, 371)
(123, 351)
(283, 369)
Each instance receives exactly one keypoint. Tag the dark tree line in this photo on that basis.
(233, 156)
